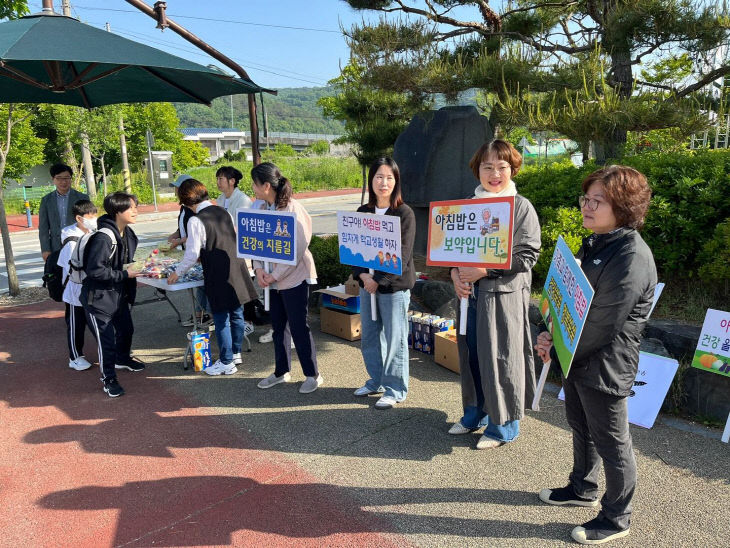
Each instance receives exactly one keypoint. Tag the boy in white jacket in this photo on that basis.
(84, 211)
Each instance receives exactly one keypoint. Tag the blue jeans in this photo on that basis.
(229, 333)
(474, 415)
(384, 342)
(202, 304)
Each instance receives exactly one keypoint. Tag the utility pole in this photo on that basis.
(158, 14)
(66, 4)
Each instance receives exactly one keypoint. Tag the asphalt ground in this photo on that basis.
(185, 459)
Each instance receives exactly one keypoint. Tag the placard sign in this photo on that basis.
(266, 235)
(653, 379)
(370, 241)
(565, 301)
(713, 348)
(471, 233)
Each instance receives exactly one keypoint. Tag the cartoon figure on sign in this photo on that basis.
(285, 230)
(381, 257)
(495, 225)
(278, 232)
(394, 260)
(486, 214)
(387, 259)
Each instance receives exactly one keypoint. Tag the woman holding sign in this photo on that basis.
(620, 267)
(385, 340)
(495, 356)
(288, 284)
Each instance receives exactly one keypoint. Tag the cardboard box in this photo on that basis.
(341, 324)
(446, 351)
(337, 299)
(352, 287)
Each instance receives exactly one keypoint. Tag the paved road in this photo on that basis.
(154, 228)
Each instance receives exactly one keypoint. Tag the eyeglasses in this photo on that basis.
(63, 178)
(488, 168)
(591, 203)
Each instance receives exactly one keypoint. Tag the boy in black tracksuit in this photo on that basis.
(108, 291)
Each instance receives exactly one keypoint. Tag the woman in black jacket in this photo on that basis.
(385, 341)
(620, 268)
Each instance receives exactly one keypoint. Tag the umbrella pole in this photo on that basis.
(158, 14)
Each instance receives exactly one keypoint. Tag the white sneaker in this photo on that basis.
(248, 328)
(486, 442)
(273, 380)
(458, 429)
(79, 364)
(386, 402)
(311, 384)
(220, 368)
(365, 391)
(267, 337)
(237, 359)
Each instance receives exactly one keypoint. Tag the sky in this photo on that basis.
(280, 43)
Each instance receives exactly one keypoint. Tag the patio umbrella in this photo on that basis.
(50, 58)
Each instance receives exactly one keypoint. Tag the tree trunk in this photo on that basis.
(364, 185)
(103, 173)
(622, 80)
(13, 284)
(125, 159)
(88, 167)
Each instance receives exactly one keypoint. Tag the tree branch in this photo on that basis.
(538, 6)
(702, 82)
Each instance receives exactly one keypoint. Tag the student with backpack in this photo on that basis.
(108, 289)
(84, 211)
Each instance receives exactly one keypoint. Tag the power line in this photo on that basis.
(219, 20)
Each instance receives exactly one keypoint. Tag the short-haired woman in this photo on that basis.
(384, 341)
(289, 284)
(495, 356)
(620, 267)
(227, 179)
(212, 239)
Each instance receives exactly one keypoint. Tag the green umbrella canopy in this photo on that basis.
(57, 59)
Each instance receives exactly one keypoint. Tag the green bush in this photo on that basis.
(715, 256)
(326, 253)
(563, 221)
(34, 204)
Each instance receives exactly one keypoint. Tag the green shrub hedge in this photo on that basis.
(690, 199)
(326, 253)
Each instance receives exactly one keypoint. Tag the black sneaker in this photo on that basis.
(597, 531)
(133, 364)
(113, 388)
(565, 495)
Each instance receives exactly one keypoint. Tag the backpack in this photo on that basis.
(53, 274)
(76, 267)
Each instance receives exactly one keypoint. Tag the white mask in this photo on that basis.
(89, 224)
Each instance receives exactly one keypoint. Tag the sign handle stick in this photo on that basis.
(373, 301)
(266, 289)
(726, 433)
(463, 306)
(540, 386)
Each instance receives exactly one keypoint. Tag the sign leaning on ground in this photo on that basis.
(370, 241)
(268, 236)
(564, 304)
(713, 348)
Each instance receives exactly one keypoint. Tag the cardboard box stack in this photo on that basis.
(340, 312)
(423, 327)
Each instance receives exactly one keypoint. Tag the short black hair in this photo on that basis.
(60, 168)
(230, 172)
(83, 207)
(119, 202)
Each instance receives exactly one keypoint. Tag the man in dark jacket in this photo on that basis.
(55, 211)
(109, 289)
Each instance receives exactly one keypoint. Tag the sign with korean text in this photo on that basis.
(266, 235)
(565, 301)
(370, 241)
(713, 348)
(471, 233)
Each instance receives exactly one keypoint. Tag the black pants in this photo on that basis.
(600, 427)
(289, 320)
(75, 327)
(114, 338)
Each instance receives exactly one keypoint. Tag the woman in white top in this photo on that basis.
(231, 198)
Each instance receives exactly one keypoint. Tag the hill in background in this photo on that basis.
(293, 109)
